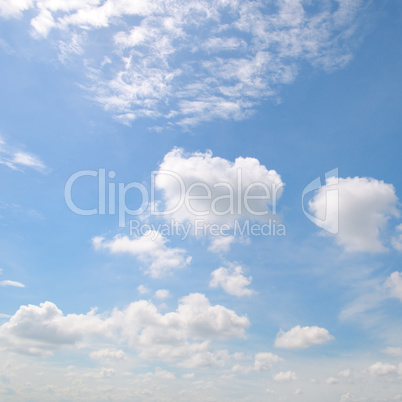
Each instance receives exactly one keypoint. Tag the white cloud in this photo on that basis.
(108, 355)
(14, 9)
(382, 369)
(221, 244)
(12, 283)
(365, 205)
(298, 391)
(332, 380)
(142, 290)
(265, 361)
(394, 284)
(393, 351)
(197, 60)
(184, 334)
(302, 337)
(232, 281)
(17, 160)
(344, 373)
(162, 294)
(150, 249)
(226, 188)
(285, 376)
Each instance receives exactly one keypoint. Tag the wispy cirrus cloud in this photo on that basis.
(12, 283)
(18, 160)
(193, 61)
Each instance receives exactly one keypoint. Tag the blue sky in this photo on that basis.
(278, 93)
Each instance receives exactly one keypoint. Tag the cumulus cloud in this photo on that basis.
(150, 248)
(12, 283)
(382, 369)
(302, 337)
(285, 376)
(394, 284)
(365, 206)
(183, 334)
(199, 60)
(232, 281)
(202, 187)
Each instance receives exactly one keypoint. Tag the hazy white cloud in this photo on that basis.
(17, 160)
(142, 290)
(150, 249)
(199, 186)
(344, 373)
(162, 294)
(365, 206)
(12, 283)
(393, 351)
(184, 334)
(394, 284)
(332, 380)
(264, 361)
(197, 60)
(381, 369)
(221, 244)
(232, 281)
(108, 355)
(302, 337)
(285, 376)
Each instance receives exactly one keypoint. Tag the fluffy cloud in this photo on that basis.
(41, 329)
(184, 334)
(382, 369)
(12, 283)
(199, 186)
(394, 284)
(302, 337)
(150, 249)
(196, 60)
(285, 376)
(365, 205)
(232, 281)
